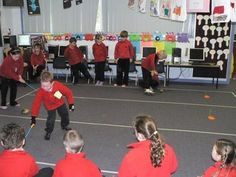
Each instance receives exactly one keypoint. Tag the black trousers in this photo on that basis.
(82, 68)
(37, 72)
(147, 80)
(12, 84)
(45, 172)
(63, 113)
(99, 71)
(123, 71)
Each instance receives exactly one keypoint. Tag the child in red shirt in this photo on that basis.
(37, 61)
(75, 163)
(150, 156)
(149, 70)
(124, 53)
(100, 55)
(224, 154)
(11, 71)
(52, 95)
(75, 58)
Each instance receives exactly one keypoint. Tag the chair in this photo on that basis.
(109, 70)
(161, 71)
(133, 70)
(59, 64)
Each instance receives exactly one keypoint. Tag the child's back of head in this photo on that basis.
(73, 141)
(12, 136)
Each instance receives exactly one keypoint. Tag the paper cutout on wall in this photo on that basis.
(142, 6)
(66, 4)
(131, 4)
(179, 12)
(147, 44)
(169, 46)
(160, 45)
(233, 10)
(165, 9)
(198, 5)
(137, 45)
(146, 37)
(154, 8)
(33, 7)
(134, 37)
(220, 11)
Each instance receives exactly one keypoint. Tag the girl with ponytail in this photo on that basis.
(223, 153)
(150, 156)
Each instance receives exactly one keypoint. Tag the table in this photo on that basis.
(214, 69)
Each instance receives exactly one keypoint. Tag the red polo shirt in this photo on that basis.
(137, 162)
(17, 164)
(124, 50)
(74, 55)
(37, 59)
(215, 169)
(76, 165)
(99, 52)
(11, 69)
(149, 62)
(49, 100)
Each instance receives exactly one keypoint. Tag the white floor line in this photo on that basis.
(166, 88)
(233, 94)
(155, 102)
(23, 96)
(53, 164)
(128, 126)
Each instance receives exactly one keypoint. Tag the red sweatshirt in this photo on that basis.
(124, 49)
(74, 55)
(11, 69)
(76, 165)
(37, 59)
(17, 164)
(49, 100)
(137, 162)
(229, 171)
(149, 62)
(99, 52)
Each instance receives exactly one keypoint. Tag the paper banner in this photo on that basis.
(169, 46)
(198, 5)
(160, 45)
(137, 45)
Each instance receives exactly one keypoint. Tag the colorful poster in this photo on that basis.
(136, 44)
(160, 45)
(220, 11)
(169, 46)
(154, 8)
(198, 6)
(233, 10)
(179, 12)
(142, 6)
(165, 9)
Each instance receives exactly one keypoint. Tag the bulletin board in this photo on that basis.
(215, 39)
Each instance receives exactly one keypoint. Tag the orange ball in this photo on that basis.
(206, 96)
(211, 117)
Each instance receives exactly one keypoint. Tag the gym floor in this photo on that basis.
(104, 115)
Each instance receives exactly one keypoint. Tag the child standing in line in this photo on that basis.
(75, 163)
(51, 94)
(150, 156)
(100, 56)
(149, 70)
(75, 58)
(37, 61)
(14, 160)
(223, 153)
(124, 53)
(11, 71)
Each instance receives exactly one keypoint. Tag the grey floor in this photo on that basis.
(104, 115)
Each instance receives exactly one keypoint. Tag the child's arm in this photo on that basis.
(36, 106)
(67, 93)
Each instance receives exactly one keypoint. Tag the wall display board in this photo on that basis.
(215, 39)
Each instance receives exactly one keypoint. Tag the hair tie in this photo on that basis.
(154, 133)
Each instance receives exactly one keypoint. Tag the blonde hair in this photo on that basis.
(73, 140)
(162, 54)
(46, 76)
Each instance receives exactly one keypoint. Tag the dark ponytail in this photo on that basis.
(146, 125)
